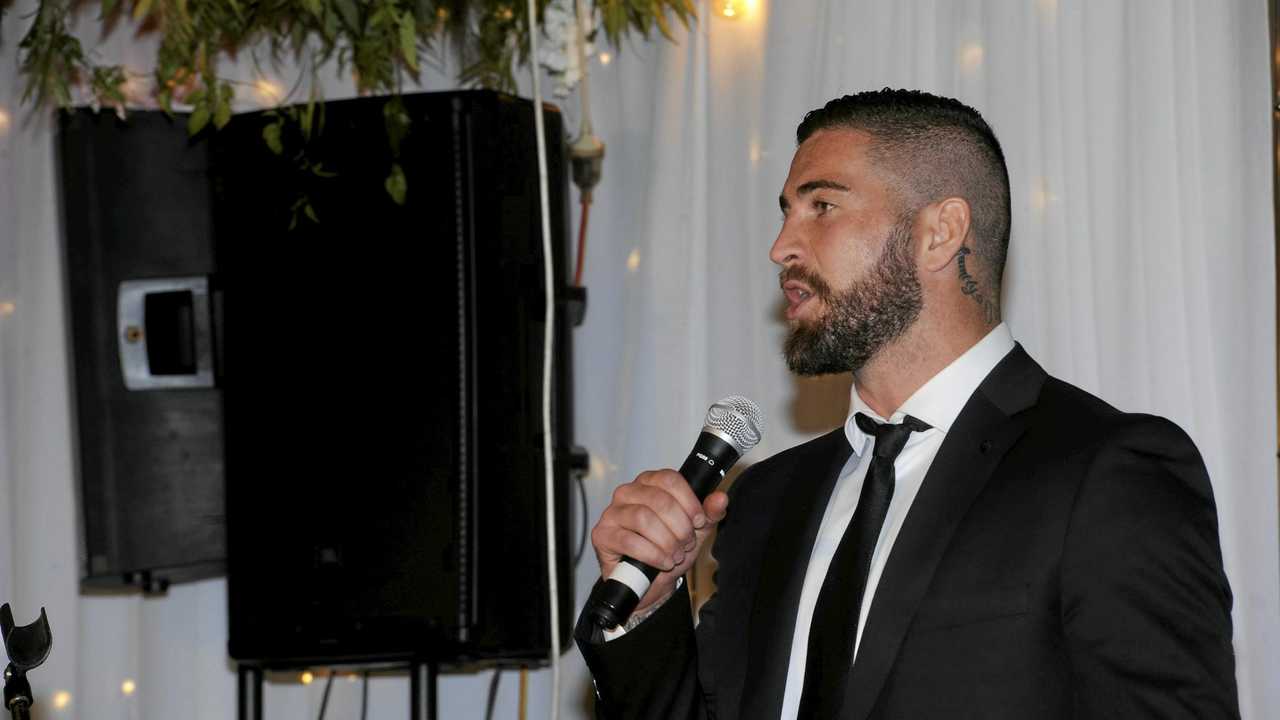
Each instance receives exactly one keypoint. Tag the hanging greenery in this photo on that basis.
(380, 42)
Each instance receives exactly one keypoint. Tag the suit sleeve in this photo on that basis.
(657, 670)
(1146, 607)
(650, 672)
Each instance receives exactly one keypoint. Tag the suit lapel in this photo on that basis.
(984, 431)
(782, 572)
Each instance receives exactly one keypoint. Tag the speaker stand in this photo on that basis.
(424, 678)
(249, 692)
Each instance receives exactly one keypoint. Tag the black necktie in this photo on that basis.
(835, 616)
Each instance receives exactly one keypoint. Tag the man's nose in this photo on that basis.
(787, 246)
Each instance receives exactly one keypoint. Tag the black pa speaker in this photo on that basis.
(382, 384)
(362, 391)
(139, 254)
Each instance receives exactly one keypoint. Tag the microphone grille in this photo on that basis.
(739, 418)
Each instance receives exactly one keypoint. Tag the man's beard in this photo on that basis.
(858, 322)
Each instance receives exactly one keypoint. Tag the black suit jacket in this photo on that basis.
(1061, 560)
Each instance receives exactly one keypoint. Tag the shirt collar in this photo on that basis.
(939, 401)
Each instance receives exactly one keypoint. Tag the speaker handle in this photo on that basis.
(133, 336)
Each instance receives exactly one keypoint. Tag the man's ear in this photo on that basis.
(945, 229)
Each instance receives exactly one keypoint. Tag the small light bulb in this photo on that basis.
(4, 121)
(267, 90)
(307, 677)
(735, 8)
(971, 57)
(7, 309)
(599, 468)
(1041, 196)
(61, 700)
(633, 260)
(137, 90)
(605, 58)
(128, 687)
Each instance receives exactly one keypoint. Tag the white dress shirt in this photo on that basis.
(937, 403)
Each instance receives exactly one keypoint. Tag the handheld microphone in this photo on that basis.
(733, 426)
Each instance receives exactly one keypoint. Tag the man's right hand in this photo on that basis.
(657, 520)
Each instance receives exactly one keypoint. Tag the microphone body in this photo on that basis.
(732, 428)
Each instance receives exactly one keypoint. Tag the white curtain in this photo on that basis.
(1141, 268)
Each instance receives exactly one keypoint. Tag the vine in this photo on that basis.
(379, 42)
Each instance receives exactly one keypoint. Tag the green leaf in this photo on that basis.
(350, 15)
(318, 121)
(140, 9)
(396, 184)
(199, 118)
(271, 134)
(409, 41)
(315, 7)
(311, 213)
(222, 113)
(304, 119)
(660, 17)
(615, 19)
(397, 121)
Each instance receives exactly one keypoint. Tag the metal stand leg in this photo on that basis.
(249, 690)
(20, 710)
(423, 678)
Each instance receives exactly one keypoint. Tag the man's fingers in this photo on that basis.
(643, 520)
(638, 547)
(656, 519)
(665, 505)
(674, 484)
(716, 506)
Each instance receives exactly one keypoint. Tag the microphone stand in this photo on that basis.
(17, 694)
(27, 647)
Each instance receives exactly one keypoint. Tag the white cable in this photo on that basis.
(549, 318)
(584, 81)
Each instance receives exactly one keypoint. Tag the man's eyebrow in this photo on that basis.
(809, 187)
(820, 185)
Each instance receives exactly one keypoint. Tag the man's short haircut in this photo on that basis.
(931, 148)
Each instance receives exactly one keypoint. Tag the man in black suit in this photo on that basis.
(979, 540)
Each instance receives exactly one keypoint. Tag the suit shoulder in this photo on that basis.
(1123, 459)
(1095, 423)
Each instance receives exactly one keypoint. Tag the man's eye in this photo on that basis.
(822, 206)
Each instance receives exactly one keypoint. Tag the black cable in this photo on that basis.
(582, 530)
(493, 694)
(324, 699)
(364, 696)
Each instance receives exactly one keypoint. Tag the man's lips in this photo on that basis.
(797, 294)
